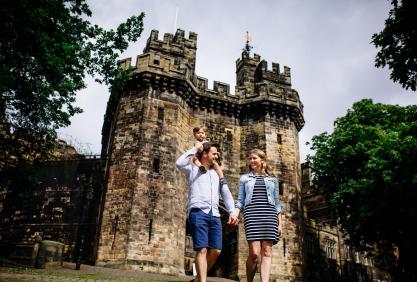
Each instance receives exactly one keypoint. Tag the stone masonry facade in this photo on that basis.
(327, 254)
(150, 125)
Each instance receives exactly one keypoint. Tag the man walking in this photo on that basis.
(204, 191)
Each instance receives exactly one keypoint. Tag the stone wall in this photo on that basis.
(144, 213)
(52, 203)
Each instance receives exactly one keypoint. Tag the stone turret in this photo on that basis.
(245, 72)
(148, 127)
(177, 46)
(250, 72)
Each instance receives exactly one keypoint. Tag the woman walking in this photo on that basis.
(259, 201)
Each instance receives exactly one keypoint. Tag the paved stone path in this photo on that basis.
(87, 273)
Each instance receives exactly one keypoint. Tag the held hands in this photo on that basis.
(233, 220)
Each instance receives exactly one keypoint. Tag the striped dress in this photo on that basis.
(260, 217)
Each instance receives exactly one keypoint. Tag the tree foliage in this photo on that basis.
(367, 168)
(398, 43)
(47, 48)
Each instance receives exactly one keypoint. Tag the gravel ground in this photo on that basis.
(88, 273)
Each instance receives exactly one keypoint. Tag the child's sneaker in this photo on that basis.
(202, 169)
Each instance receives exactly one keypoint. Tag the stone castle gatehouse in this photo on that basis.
(146, 128)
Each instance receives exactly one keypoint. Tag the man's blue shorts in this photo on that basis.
(206, 230)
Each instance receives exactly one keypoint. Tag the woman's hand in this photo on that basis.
(237, 211)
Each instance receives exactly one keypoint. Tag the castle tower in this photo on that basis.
(271, 117)
(143, 222)
(150, 125)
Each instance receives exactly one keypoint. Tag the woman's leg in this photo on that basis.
(253, 259)
(266, 254)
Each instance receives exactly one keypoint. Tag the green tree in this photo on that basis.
(398, 43)
(47, 47)
(367, 168)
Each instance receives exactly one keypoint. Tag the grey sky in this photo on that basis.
(325, 43)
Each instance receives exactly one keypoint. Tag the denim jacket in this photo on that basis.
(246, 185)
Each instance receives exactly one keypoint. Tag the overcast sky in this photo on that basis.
(326, 43)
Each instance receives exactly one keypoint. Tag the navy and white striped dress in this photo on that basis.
(260, 217)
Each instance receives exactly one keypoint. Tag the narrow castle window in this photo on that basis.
(347, 253)
(150, 230)
(281, 187)
(114, 229)
(160, 114)
(279, 139)
(156, 165)
(284, 247)
(156, 60)
(357, 257)
(229, 136)
(330, 248)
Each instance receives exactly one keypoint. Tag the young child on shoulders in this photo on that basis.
(199, 133)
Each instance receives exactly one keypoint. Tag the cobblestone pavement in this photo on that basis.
(87, 273)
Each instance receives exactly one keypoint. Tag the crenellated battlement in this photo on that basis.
(274, 75)
(219, 88)
(172, 39)
(250, 70)
(166, 66)
(246, 60)
(160, 64)
(175, 45)
(125, 63)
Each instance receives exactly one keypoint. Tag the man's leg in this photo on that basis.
(215, 241)
(199, 223)
(205, 261)
(201, 264)
(266, 253)
(212, 255)
(253, 259)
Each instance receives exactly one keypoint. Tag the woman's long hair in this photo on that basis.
(265, 168)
